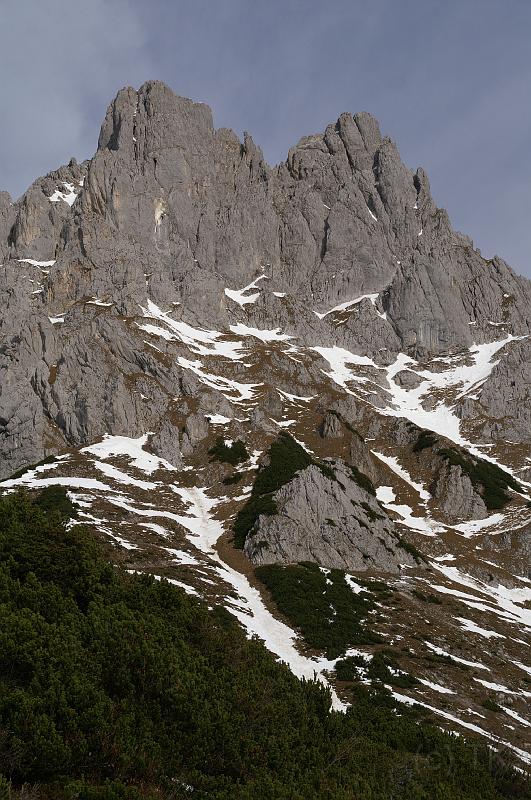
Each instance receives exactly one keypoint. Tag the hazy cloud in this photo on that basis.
(449, 81)
(61, 62)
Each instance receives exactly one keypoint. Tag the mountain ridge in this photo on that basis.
(175, 289)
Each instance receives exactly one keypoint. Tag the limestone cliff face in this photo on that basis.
(172, 211)
(335, 523)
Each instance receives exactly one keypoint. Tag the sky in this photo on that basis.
(448, 80)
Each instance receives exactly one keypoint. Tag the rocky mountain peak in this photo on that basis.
(283, 364)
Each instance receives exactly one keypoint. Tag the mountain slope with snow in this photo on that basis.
(175, 290)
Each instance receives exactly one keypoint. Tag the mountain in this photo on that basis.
(274, 385)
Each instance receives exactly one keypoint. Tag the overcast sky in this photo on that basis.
(449, 81)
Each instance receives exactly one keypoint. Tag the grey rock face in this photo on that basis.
(331, 427)
(172, 211)
(456, 496)
(195, 429)
(165, 443)
(334, 523)
(505, 400)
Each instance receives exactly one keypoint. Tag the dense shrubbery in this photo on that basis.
(483, 474)
(346, 669)
(425, 439)
(234, 453)
(384, 667)
(20, 472)
(286, 458)
(248, 515)
(362, 480)
(411, 549)
(488, 478)
(230, 480)
(118, 687)
(321, 605)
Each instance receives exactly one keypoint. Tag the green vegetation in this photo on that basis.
(491, 705)
(373, 585)
(248, 515)
(232, 479)
(383, 667)
(346, 669)
(120, 687)
(233, 454)
(371, 514)
(321, 605)
(488, 478)
(411, 549)
(20, 472)
(425, 439)
(427, 598)
(286, 458)
(362, 480)
(436, 658)
(55, 499)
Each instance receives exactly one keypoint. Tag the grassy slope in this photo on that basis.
(115, 686)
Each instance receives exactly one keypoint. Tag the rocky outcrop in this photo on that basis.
(165, 443)
(195, 430)
(457, 498)
(505, 399)
(335, 523)
(331, 427)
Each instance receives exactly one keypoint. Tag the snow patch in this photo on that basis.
(198, 340)
(525, 757)
(348, 304)
(436, 686)
(133, 448)
(35, 263)
(239, 295)
(385, 494)
(259, 333)
(470, 626)
(224, 385)
(459, 660)
(218, 419)
(393, 464)
(68, 197)
(121, 477)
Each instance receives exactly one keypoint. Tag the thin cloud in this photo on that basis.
(58, 61)
(448, 81)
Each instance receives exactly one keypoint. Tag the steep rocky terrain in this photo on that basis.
(231, 365)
